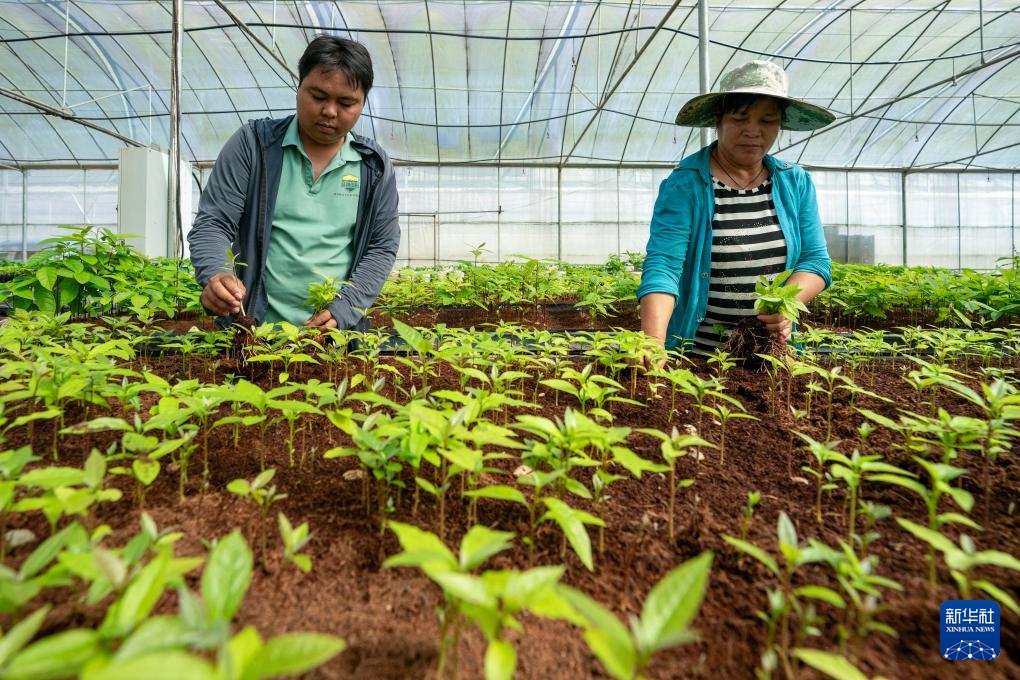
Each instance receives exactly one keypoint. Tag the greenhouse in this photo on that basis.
(538, 128)
(537, 339)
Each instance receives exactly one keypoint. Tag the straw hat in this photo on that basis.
(755, 77)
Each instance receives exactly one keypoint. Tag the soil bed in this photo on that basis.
(388, 616)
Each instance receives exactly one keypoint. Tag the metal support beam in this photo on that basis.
(903, 214)
(258, 41)
(704, 81)
(53, 111)
(619, 81)
(174, 234)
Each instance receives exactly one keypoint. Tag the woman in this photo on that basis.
(730, 213)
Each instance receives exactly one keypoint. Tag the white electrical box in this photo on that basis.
(143, 201)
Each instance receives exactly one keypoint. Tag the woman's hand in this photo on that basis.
(778, 326)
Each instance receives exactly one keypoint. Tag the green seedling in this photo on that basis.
(261, 492)
(772, 297)
(724, 414)
(962, 559)
(491, 600)
(232, 265)
(675, 446)
(322, 293)
(822, 452)
(833, 665)
(66, 491)
(294, 540)
(853, 470)
(941, 476)
(753, 499)
(789, 601)
(666, 615)
(377, 444)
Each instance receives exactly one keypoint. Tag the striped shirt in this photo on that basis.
(746, 243)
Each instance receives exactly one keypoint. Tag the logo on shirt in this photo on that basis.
(349, 182)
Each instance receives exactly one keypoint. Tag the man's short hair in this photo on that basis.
(338, 54)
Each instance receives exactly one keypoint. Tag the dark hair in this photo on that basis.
(338, 54)
(740, 101)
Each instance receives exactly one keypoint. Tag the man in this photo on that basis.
(294, 200)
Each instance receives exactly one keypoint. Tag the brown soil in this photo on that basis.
(388, 616)
(558, 316)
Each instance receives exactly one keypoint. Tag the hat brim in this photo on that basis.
(700, 111)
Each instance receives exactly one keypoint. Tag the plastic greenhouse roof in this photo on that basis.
(914, 84)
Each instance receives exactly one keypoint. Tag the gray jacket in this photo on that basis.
(236, 208)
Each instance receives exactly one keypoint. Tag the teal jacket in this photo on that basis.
(678, 259)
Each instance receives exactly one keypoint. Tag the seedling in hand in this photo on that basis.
(322, 293)
(233, 263)
(775, 298)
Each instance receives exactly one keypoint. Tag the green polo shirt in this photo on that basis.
(313, 227)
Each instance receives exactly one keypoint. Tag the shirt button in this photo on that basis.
(704, 275)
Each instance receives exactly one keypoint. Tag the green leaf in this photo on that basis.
(226, 577)
(499, 492)
(607, 638)
(635, 464)
(47, 276)
(157, 634)
(560, 385)
(524, 588)
(52, 477)
(138, 599)
(480, 543)
(957, 518)
(241, 649)
(997, 593)
(95, 469)
(20, 635)
(292, 654)
(822, 593)
(48, 551)
(44, 300)
(997, 558)
(466, 588)
(241, 487)
(145, 470)
(412, 337)
(573, 528)
(787, 532)
(167, 665)
(500, 660)
(66, 292)
(833, 665)
(421, 549)
(672, 604)
(58, 656)
(755, 552)
(933, 538)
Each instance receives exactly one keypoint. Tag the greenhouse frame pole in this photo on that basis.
(173, 217)
(903, 213)
(704, 79)
(24, 215)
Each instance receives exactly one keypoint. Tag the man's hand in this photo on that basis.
(223, 294)
(323, 319)
(778, 326)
